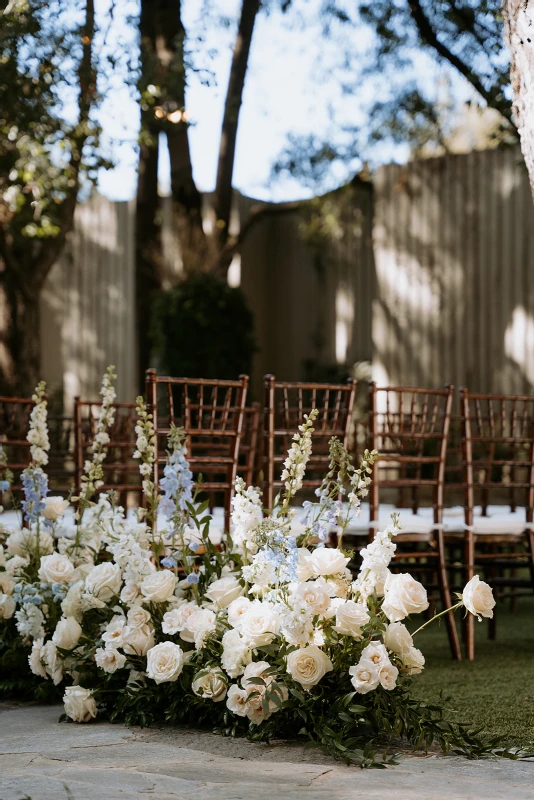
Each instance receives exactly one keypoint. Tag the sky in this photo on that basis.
(285, 91)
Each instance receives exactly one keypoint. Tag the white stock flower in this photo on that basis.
(104, 581)
(7, 606)
(478, 598)
(365, 676)
(235, 655)
(54, 508)
(34, 659)
(308, 665)
(56, 568)
(159, 587)
(109, 659)
(397, 638)
(79, 703)
(210, 685)
(350, 618)
(259, 624)
(403, 595)
(67, 633)
(224, 591)
(327, 561)
(164, 662)
(30, 621)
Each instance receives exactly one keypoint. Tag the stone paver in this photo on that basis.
(43, 760)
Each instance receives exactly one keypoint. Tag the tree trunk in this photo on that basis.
(519, 32)
(20, 340)
(234, 98)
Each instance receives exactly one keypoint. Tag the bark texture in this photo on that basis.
(519, 32)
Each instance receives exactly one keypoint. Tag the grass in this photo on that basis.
(496, 691)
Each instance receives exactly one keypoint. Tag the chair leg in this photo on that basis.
(469, 622)
(446, 599)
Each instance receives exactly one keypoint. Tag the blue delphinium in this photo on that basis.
(35, 487)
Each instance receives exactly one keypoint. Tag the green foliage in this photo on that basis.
(203, 328)
(16, 679)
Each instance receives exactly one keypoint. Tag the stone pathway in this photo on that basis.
(43, 760)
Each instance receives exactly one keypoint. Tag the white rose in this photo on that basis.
(24, 542)
(403, 596)
(79, 704)
(259, 624)
(304, 569)
(109, 659)
(52, 662)
(130, 594)
(308, 665)
(414, 661)
(34, 659)
(327, 561)
(104, 581)
(315, 595)
(478, 598)
(139, 641)
(200, 623)
(67, 633)
(56, 568)
(255, 707)
(7, 584)
(172, 621)
(158, 587)
(236, 609)
(2, 556)
(365, 676)
(164, 662)
(224, 591)
(116, 632)
(72, 605)
(210, 686)
(388, 676)
(54, 508)
(376, 653)
(397, 638)
(7, 606)
(236, 655)
(236, 700)
(350, 618)
(137, 617)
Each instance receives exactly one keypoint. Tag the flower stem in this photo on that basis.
(436, 616)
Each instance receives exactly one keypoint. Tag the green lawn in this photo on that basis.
(496, 691)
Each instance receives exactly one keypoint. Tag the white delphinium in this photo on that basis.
(247, 514)
(38, 432)
(145, 452)
(236, 655)
(297, 458)
(30, 622)
(361, 478)
(376, 558)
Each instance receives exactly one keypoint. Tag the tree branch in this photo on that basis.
(430, 37)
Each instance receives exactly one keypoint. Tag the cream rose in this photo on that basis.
(223, 591)
(211, 685)
(139, 641)
(376, 653)
(398, 639)
(350, 618)
(7, 584)
(52, 662)
(109, 659)
(56, 568)
(259, 624)
(137, 617)
(236, 700)
(164, 662)
(388, 675)
(130, 594)
(478, 598)
(79, 704)
(104, 581)
(67, 633)
(315, 595)
(116, 632)
(308, 665)
(365, 676)
(159, 586)
(7, 606)
(414, 661)
(54, 508)
(236, 609)
(403, 595)
(327, 561)
(34, 659)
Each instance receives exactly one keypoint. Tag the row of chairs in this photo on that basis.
(426, 451)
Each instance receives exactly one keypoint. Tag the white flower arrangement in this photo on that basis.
(271, 635)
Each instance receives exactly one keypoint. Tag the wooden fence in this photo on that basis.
(428, 274)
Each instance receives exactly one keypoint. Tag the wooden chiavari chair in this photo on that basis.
(285, 406)
(211, 413)
(121, 470)
(409, 428)
(498, 452)
(247, 467)
(14, 423)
